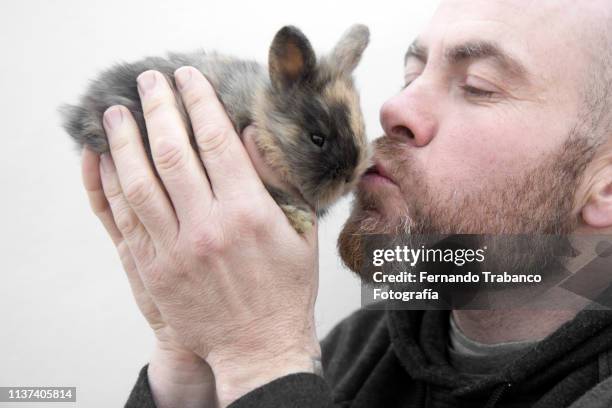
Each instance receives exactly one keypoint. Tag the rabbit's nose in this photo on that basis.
(343, 173)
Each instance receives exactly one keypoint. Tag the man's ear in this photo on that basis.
(291, 58)
(597, 210)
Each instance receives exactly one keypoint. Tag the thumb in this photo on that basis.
(268, 175)
(266, 172)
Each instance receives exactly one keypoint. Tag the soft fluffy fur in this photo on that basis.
(296, 98)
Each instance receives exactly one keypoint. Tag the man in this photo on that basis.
(504, 126)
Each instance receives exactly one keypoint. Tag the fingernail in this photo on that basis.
(146, 81)
(182, 76)
(113, 117)
(107, 163)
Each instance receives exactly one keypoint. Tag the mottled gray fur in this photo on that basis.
(235, 81)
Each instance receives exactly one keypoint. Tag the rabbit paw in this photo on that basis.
(302, 221)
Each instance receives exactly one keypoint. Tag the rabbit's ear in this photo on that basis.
(347, 53)
(291, 59)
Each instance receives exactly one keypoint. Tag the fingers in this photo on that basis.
(101, 207)
(141, 295)
(90, 170)
(177, 163)
(135, 176)
(128, 223)
(227, 164)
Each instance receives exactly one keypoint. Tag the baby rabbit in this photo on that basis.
(309, 124)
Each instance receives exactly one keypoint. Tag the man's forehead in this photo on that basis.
(461, 22)
(510, 9)
(512, 17)
(542, 32)
(538, 15)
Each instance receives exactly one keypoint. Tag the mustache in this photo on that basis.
(386, 148)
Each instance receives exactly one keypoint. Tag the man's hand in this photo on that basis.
(230, 278)
(177, 376)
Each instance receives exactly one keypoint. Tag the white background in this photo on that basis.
(67, 317)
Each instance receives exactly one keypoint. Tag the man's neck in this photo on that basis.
(502, 326)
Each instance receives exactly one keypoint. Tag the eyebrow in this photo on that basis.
(470, 51)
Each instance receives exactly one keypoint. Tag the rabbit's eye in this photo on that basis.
(317, 139)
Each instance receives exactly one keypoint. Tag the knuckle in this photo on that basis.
(119, 144)
(156, 278)
(204, 243)
(259, 217)
(138, 192)
(194, 98)
(103, 215)
(212, 138)
(125, 256)
(251, 217)
(153, 106)
(245, 214)
(143, 248)
(100, 207)
(169, 156)
(113, 192)
(127, 222)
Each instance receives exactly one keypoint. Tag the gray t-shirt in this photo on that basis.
(478, 359)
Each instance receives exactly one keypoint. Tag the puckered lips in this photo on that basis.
(377, 175)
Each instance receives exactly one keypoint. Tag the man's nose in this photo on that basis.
(407, 117)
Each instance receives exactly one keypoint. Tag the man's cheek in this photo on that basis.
(472, 157)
